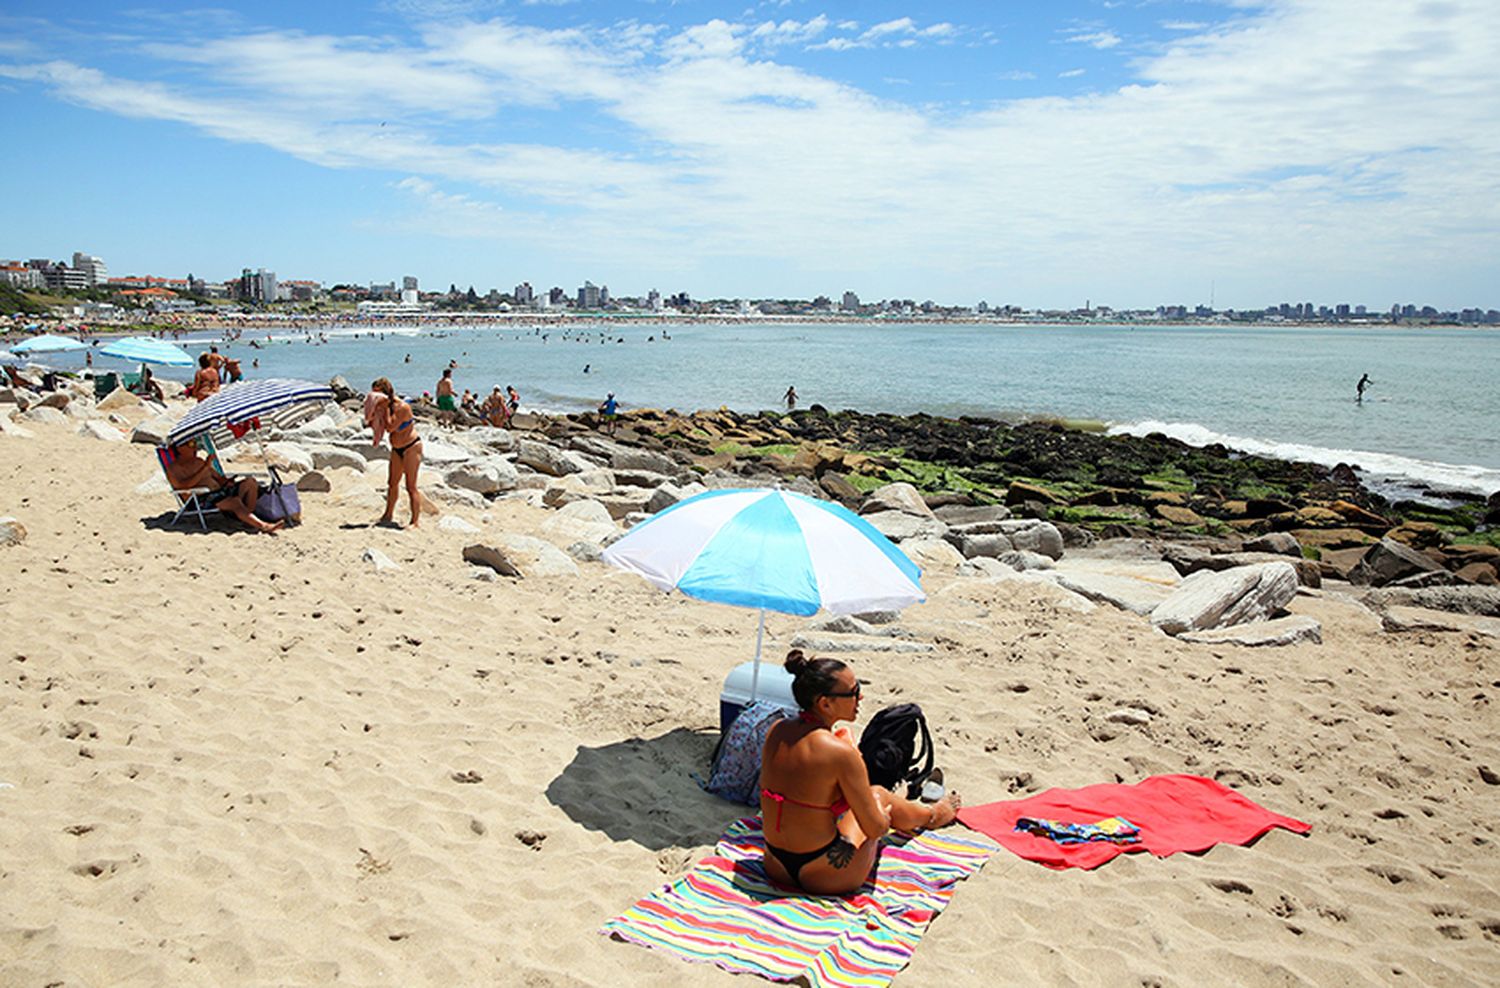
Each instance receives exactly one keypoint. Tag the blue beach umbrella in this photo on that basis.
(771, 550)
(145, 350)
(47, 343)
(275, 402)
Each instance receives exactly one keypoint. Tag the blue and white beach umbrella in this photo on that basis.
(772, 550)
(145, 350)
(277, 402)
(47, 343)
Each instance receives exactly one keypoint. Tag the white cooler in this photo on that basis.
(775, 686)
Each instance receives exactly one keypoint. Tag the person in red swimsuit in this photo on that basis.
(823, 819)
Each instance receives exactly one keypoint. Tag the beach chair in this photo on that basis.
(192, 501)
(105, 384)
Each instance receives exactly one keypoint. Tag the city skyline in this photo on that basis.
(1146, 153)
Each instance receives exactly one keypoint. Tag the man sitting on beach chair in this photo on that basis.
(200, 484)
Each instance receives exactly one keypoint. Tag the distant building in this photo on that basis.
(256, 287)
(386, 291)
(92, 267)
(556, 296)
(850, 302)
(523, 294)
(60, 277)
(588, 296)
(653, 300)
(409, 283)
(20, 276)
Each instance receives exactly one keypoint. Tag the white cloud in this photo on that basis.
(1071, 73)
(1183, 25)
(1281, 144)
(1097, 39)
(1016, 75)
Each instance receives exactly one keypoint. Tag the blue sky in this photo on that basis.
(1038, 154)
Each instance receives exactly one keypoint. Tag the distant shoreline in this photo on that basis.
(195, 324)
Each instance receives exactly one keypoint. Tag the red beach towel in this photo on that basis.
(1175, 813)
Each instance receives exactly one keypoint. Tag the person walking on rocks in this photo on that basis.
(1359, 389)
(609, 412)
(447, 401)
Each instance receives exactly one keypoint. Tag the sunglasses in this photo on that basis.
(846, 693)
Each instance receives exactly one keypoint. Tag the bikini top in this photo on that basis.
(403, 425)
(838, 808)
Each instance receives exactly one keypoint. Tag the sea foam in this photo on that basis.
(1405, 470)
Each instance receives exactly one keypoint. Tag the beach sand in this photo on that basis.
(252, 760)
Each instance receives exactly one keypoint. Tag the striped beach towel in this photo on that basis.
(726, 912)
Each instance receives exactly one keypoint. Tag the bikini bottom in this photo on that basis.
(401, 451)
(794, 861)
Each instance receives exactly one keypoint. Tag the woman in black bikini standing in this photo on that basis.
(823, 819)
(406, 452)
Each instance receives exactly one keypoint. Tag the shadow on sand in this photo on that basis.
(640, 790)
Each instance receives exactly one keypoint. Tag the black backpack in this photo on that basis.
(889, 748)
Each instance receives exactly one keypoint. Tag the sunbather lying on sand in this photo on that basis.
(823, 819)
(232, 495)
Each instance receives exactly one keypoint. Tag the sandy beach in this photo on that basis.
(253, 760)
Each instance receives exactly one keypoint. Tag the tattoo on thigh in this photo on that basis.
(840, 853)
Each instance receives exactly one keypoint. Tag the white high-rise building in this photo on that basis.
(93, 267)
(653, 300)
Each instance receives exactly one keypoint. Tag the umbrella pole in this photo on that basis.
(755, 671)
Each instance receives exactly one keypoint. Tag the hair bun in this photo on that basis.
(796, 662)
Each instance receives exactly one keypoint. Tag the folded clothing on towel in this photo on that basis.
(1114, 828)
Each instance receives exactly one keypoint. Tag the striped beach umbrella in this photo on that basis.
(145, 350)
(277, 402)
(47, 343)
(771, 550)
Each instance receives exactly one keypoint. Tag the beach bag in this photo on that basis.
(889, 748)
(735, 772)
(278, 502)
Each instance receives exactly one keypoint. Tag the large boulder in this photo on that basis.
(582, 520)
(1280, 543)
(1190, 559)
(54, 399)
(546, 459)
(493, 439)
(989, 546)
(101, 430)
(288, 456)
(153, 431)
(522, 555)
(900, 525)
(1257, 634)
(1119, 586)
(1034, 536)
(10, 428)
(896, 497)
(1210, 599)
(119, 400)
(932, 555)
(326, 457)
(45, 415)
(437, 453)
(489, 475)
(1388, 561)
(957, 515)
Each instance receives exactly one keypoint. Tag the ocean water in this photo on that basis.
(1431, 416)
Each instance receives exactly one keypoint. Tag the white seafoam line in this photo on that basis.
(1452, 476)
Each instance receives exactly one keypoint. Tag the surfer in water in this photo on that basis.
(1359, 389)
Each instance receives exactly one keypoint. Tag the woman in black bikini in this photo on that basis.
(406, 452)
(823, 819)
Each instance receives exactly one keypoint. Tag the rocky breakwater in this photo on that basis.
(1210, 501)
